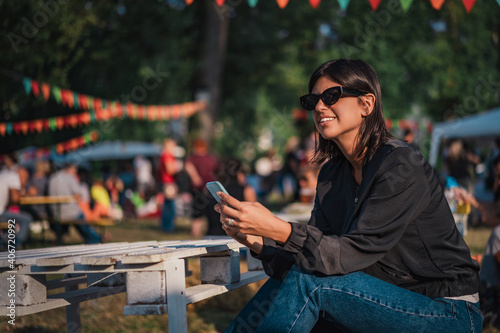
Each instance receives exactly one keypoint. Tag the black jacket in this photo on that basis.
(401, 229)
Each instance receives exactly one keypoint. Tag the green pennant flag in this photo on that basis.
(92, 116)
(75, 99)
(27, 84)
(253, 3)
(56, 92)
(91, 103)
(8, 128)
(343, 4)
(405, 4)
(52, 124)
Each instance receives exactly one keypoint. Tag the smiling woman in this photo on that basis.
(381, 251)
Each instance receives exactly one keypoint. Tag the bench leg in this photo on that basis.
(73, 320)
(176, 295)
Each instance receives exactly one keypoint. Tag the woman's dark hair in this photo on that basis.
(373, 133)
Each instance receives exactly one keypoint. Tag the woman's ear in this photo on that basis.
(368, 103)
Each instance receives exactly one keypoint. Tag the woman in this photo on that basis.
(381, 252)
(168, 169)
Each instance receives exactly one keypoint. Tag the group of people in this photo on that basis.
(91, 200)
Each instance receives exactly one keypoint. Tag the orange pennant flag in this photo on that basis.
(45, 91)
(73, 120)
(188, 2)
(60, 148)
(375, 3)
(39, 125)
(73, 144)
(219, 2)
(70, 100)
(314, 3)
(59, 122)
(3, 128)
(85, 118)
(468, 4)
(282, 3)
(24, 127)
(437, 4)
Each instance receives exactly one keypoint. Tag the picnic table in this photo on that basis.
(151, 273)
(56, 220)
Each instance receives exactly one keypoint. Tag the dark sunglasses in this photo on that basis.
(330, 96)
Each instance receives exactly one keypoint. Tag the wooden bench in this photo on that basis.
(151, 273)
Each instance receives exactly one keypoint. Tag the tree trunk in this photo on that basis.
(215, 41)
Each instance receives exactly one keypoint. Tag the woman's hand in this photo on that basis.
(241, 218)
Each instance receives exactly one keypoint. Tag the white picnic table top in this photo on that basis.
(152, 273)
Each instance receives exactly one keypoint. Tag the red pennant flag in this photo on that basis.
(188, 2)
(141, 112)
(375, 4)
(35, 88)
(282, 3)
(97, 104)
(314, 3)
(468, 4)
(66, 122)
(31, 126)
(45, 91)
(17, 127)
(66, 146)
(46, 126)
(437, 4)
(219, 2)
(119, 109)
(83, 101)
(80, 141)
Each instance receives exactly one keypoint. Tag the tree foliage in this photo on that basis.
(436, 64)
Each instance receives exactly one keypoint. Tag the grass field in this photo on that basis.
(209, 316)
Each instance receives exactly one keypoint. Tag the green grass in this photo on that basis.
(208, 316)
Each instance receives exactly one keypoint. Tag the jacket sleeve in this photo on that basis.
(398, 193)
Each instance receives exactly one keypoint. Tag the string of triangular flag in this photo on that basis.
(59, 148)
(97, 110)
(405, 4)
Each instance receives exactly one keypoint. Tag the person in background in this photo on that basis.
(10, 187)
(409, 137)
(65, 183)
(461, 164)
(168, 170)
(201, 167)
(308, 179)
(231, 175)
(381, 252)
(143, 175)
(490, 263)
(37, 186)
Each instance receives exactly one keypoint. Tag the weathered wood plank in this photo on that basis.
(65, 299)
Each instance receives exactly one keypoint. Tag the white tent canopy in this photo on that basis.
(480, 125)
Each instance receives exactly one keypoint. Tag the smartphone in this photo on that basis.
(215, 187)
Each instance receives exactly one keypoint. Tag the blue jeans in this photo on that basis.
(168, 216)
(355, 302)
(23, 221)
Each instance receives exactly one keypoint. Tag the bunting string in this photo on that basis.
(59, 148)
(97, 109)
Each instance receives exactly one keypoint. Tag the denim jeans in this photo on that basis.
(22, 221)
(355, 302)
(168, 216)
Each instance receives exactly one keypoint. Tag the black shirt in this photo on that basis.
(401, 230)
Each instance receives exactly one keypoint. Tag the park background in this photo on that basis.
(250, 63)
